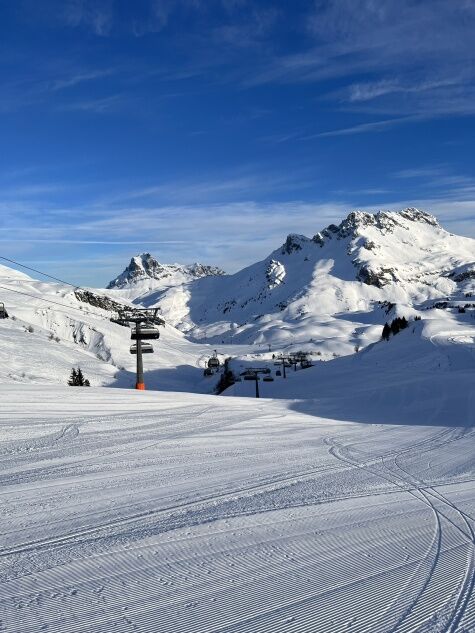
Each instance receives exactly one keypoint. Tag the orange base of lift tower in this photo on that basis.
(140, 386)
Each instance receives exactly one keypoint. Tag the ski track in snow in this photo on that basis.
(193, 514)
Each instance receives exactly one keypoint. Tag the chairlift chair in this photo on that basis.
(278, 373)
(251, 377)
(3, 312)
(146, 348)
(213, 363)
(147, 333)
(268, 379)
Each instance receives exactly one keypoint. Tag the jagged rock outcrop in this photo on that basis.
(293, 243)
(145, 267)
(384, 221)
(98, 301)
(275, 273)
(463, 273)
(379, 277)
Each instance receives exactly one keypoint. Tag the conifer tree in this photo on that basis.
(80, 378)
(72, 382)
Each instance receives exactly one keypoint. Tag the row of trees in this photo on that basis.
(396, 325)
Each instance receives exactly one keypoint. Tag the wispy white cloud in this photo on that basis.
(96, 15)
(360, 92)
(230, 235)
(100, 105)
(363, 128)
(74, 79)
(440, 178)
(414, 56)
(246, 183)
(420, 172)
(47, 240)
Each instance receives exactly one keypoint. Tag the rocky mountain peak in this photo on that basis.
(146, 267)
(293, 243)
(385, 221)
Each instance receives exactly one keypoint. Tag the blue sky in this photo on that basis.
(206, 130)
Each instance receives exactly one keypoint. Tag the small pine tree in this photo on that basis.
(72, 382)
(386, 332)
(80, 378)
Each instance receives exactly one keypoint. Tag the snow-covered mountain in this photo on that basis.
(145, 274)
(338, 286)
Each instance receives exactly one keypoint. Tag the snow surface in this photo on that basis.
(424, 374)
(169, 512)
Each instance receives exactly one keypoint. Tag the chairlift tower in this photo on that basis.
(285, 361)
(253, 374)
(144, 323)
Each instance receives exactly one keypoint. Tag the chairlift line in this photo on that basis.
(62, 281)
(35, 270)
(62, 305)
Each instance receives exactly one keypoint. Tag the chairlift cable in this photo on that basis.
(35, 270)
(67, 283)
(63, 305)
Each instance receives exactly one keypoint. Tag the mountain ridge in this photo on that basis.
(144, 267)
(330, 285)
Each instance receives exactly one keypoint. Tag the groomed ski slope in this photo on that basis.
(424, 374)
(164, 512)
